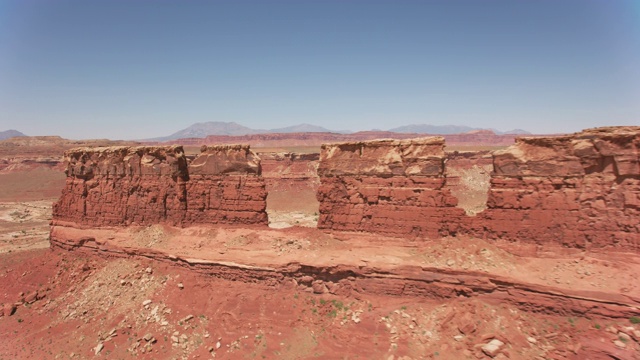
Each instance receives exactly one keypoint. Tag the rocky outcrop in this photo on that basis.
(225, 186)
(394, 187)
(120, 186)
(382, 279)
(576, 191)
(580, 190)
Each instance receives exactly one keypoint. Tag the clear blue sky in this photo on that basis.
(140, 69)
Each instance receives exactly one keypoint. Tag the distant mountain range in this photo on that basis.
(202, 130)
(9, 134)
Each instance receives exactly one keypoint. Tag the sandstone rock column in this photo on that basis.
(123, 185)
(580, 190)
(225, 186)
(392, 187)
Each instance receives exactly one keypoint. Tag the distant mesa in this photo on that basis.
(9, 134)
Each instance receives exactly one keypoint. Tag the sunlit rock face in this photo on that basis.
(580, 190)
(394, 187)
(120, 186)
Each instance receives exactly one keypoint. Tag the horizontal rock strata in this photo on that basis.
(577, 191)
(580, 190)
(120, 186)
(394, 187)
(393, 281)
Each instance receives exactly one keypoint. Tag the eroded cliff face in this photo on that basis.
(576, 191)
(120, 186)
(580, 190)
(394, 187)
(225, 186)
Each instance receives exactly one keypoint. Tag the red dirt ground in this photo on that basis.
(84, 298)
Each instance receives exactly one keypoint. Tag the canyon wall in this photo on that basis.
(144, 185)
(580, 190)
(226, 186)
(393, 187)
(576, 191)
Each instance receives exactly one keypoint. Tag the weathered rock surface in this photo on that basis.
(384, 158)
(120, 186)
(225, 186)
(577, 191)
(394, 187)
(350, 277)
(580, 190)
(225, 160)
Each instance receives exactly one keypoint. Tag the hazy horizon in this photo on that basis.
(135, 70)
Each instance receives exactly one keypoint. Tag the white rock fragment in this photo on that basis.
(492, 348)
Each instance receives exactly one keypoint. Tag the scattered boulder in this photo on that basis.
(9, 309)
(492, 348)
(319, 287)
(619, 344)
(98, 348)
(467, 326)
(148, 337)
(31, 297)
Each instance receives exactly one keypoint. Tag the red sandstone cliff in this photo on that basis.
(580, 190)
(225, 186)
(120, 186)
(393, 187)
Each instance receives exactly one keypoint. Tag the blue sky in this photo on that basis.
(141, 69)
